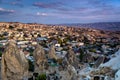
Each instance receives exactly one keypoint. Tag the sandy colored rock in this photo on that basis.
(103, 71)
(72, 59)
(40, 59)
(52, 53)
(71, 56)
(14, 64)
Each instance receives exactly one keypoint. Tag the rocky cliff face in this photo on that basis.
(14, 64)
(40, 59)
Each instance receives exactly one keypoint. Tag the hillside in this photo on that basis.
(111, 26)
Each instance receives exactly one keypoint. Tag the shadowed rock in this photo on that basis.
(99, 61)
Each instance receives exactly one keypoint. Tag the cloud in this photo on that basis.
(13, 3)
(5, 11)
(57, 10)
(81, 9)
(41, 14)
(93, 7)
(52, 5)
(46, 5)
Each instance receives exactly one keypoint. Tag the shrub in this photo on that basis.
(92, 50)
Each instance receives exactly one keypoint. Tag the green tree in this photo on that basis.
(81, 54)
(59, 41)
(65, 40)
(31, 66)
(11, 27)
(38, 35)
(41, 77)
(19, 30)
(0, 54)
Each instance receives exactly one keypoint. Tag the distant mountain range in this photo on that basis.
(110, 26)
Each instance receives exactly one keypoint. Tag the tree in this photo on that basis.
(11, 27)
(41, 77)
(19, 30)
(86, 40)
(59, 41)
(81, 54)
(31, 66)
(0, 54)
(38, 35)
(65, 40)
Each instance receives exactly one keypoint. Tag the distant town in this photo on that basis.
(31, 51)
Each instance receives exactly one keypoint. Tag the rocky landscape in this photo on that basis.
(48, 52)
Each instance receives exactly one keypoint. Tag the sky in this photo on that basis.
(59, 11)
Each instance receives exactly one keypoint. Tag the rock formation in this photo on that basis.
(72, 59)
(40, 59)
(87, 58)
(69, 74)
(52, 53)
(14, 64)
(103, 71)
(71, 56)
(99, 61)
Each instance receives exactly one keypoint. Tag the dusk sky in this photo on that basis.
(59, 11)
